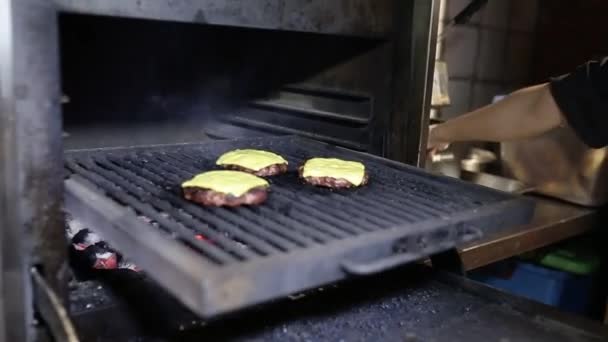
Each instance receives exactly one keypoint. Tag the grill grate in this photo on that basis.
(402, 209)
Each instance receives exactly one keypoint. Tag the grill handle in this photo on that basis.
(376, 266)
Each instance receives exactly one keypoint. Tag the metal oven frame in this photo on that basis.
(31, 154)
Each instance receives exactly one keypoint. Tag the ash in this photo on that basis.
(404, 305)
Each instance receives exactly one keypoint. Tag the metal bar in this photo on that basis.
(269, 104)
(52, 310)
(31, 187)
(359, 17)
(281, 130)
(424, 42)
(413, 60)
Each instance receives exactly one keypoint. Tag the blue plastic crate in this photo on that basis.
(566, 291)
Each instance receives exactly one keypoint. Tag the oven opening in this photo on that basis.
(133, 82)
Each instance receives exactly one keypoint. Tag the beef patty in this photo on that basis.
(331, 182)
(334, 173)
(257, 162)
(272, 170)
(214, 198)
(226, 188)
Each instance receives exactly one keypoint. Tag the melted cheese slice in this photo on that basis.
(335, 168)
(235, 183)
(252, 159)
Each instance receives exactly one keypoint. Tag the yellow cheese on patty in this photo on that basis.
(252, 159)
(353, 172)
(235, 183)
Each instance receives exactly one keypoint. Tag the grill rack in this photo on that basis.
(217, 260)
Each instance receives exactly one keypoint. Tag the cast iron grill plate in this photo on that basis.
(217, 260)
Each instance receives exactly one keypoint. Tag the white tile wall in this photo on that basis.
(461, 50)
(490, 63)
(484, 92)
(490, 55)
(460, 95)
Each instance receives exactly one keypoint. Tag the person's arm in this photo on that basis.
(579, 99)
(525, 113)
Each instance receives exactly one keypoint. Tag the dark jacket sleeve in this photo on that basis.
(582, 96)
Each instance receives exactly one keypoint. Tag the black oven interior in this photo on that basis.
(136, 82)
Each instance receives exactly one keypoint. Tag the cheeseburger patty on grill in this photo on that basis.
(334, 173)
(258, 162)
(226, 188)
